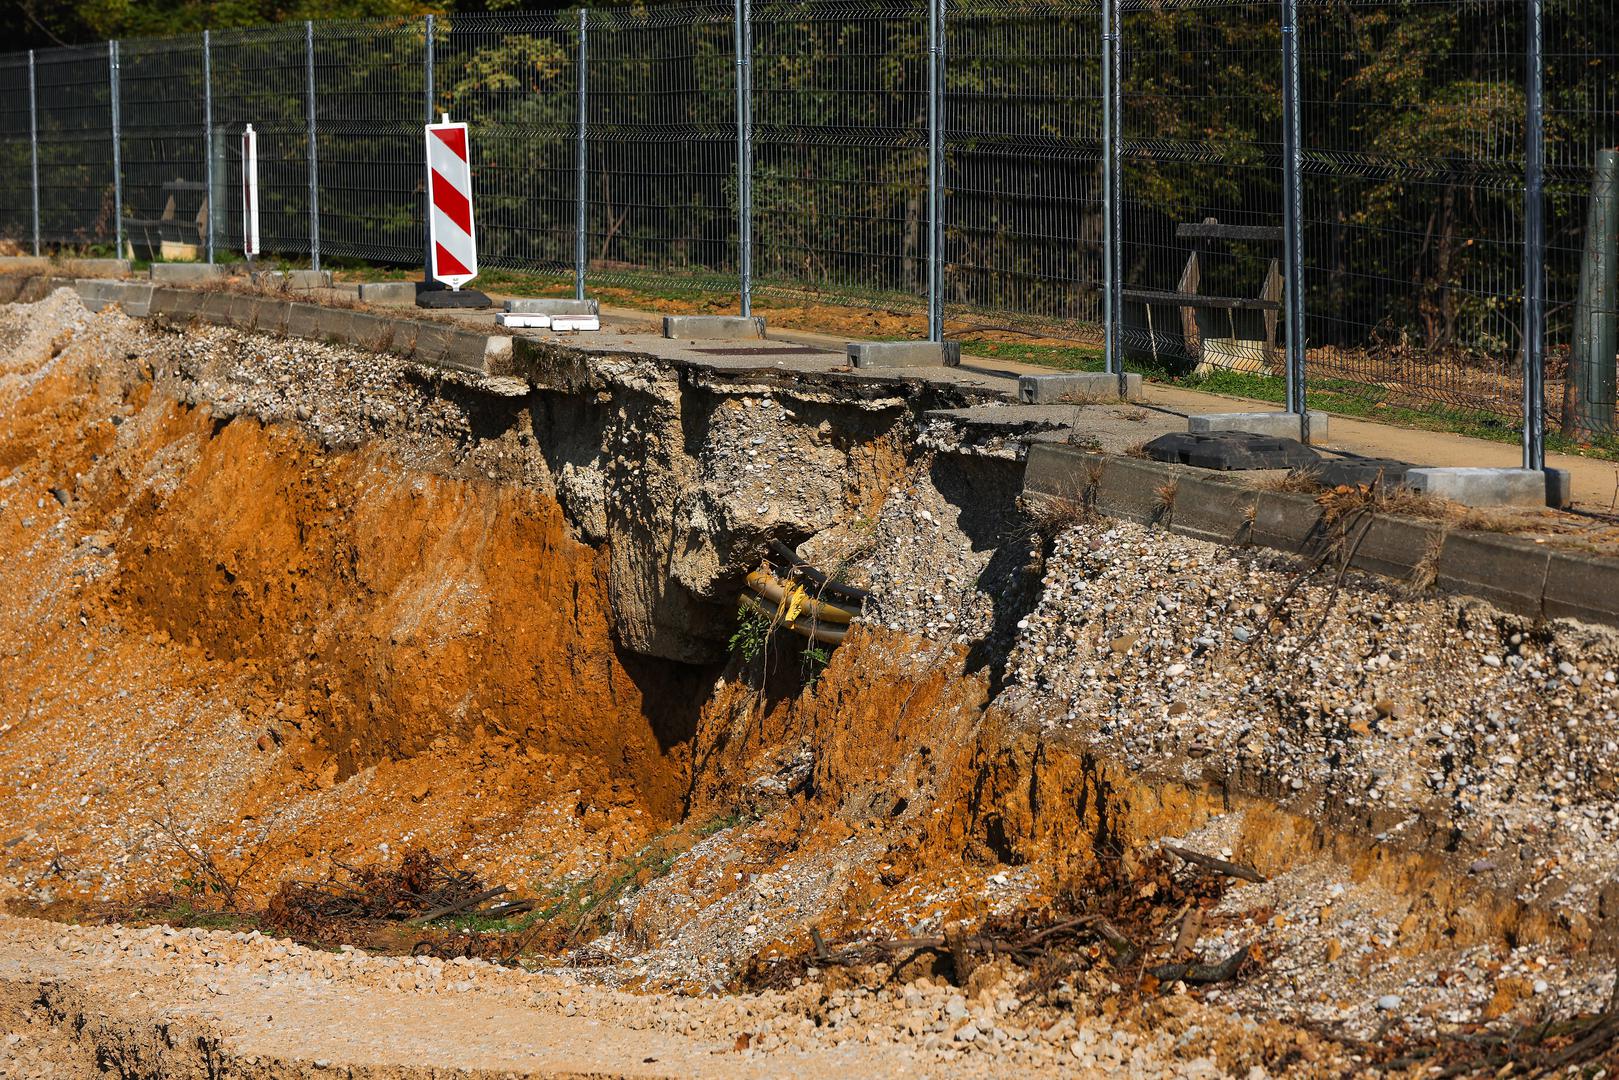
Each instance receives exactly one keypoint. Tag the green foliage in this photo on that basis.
(752, 635)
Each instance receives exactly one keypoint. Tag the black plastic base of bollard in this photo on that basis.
(435, 294)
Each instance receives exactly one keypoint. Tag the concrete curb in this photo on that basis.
(1516, 575)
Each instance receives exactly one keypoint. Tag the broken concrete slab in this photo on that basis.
(712, 327)
(553, 306)
(1473, 486)
(904, 354)
(1076, 387)
(185, 273)
(389, 293)
(1283, 425)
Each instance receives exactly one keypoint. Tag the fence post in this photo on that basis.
(427, 105)
(936, 43)
(1112, 360)
(580, 206)
(314, 160)
(1534, 242)
(117, 155)
(1293, 218)
(208, 134)
(744, 153)
(33, 144)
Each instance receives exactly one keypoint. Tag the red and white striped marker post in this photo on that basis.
(452, 249)
(250, 193)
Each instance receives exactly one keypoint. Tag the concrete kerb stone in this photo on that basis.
(373, 332)
(388, 293)
(1061, 473)
(1287, 522)
(178, 304)
(1509, 572)
(712, 327)
(185, 273)
(904, 354)
(303, 320)
(1076, 386)
(553, 306)
(1281, 425)
(133, 296)
(13, 264)
(95, 268)
(1398, 548)
(270, 315)
(1211, 508)
(1582, 587)
(1480, 486)
(1145, 492)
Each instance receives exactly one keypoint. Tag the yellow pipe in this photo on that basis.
(823, 611)
(828, 635)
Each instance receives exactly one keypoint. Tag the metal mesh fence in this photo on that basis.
(16, 153)
(1413, 151)
(73, 112)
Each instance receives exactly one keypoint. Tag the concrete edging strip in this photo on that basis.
(1516, 575)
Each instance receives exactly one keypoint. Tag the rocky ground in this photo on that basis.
(272, 610)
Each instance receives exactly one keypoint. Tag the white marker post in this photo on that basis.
(452, 249)
(250, 195)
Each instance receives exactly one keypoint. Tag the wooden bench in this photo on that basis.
(177, 233)
(1187, 299)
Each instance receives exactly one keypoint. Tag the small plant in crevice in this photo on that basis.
(751, 636)
(813, 661)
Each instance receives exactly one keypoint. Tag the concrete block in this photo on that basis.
(904, 354)
(270, 315)
(1060, 471)
(1281, 425)
(1212, 509)
(215, 307)
(553, 306)
(177, 304)
(1287, 522)
(1145, 492)
(1584, 587)
(303, 320)
(34, 264)
(1396, 547)
(523, 320)
(374, 332)
(712, 327)
(388, 293)
(1480, 486)
(134, 297)
(95, 268)
(1507, 571)
(1559, 488)
(185, 273)
(1076, 386)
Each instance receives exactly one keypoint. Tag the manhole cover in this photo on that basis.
(768, 350)
(1230, 450)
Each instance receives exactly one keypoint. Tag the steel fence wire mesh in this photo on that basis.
(370, 90)
(662, 148)
(259, 79)
(1582, 248)
(75, 146)
(840, 150)
(1414, 192)
(514, 79)
(1201, 185)
(162, 147)
(16, 160)
(1023, 152)
(1413, 147)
